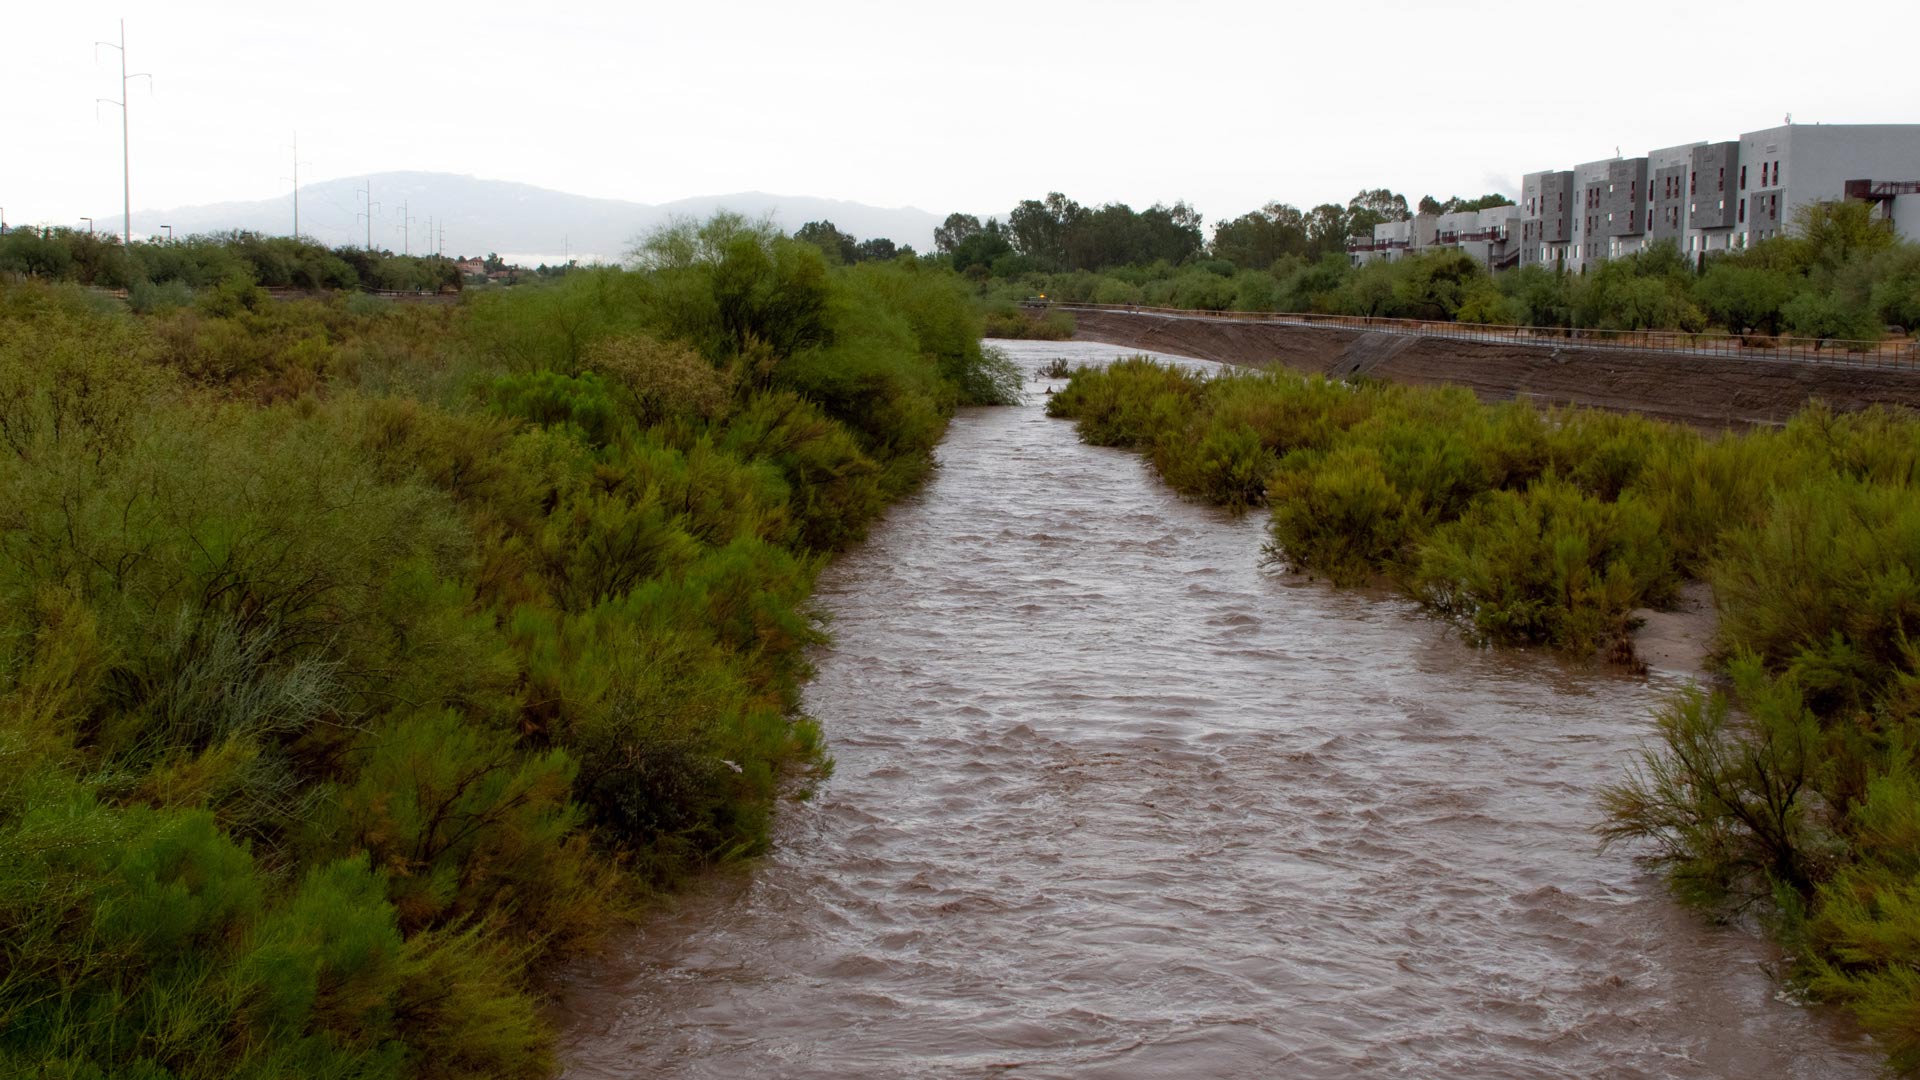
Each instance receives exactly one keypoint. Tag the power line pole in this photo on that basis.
(368, 192)
(126, 157)
(406, 239)
(296, 184)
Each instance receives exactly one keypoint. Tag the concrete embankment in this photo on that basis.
(1706, 391)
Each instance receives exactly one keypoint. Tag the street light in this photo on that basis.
(169, 229)
(89, 222)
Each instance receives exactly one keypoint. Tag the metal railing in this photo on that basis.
(1894, 353)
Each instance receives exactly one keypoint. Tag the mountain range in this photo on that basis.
(471, 216)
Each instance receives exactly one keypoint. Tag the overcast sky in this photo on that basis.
(941, 106)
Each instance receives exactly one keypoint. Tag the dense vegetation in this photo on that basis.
(161, 274)
(1799, 783)
(1839, 274)
(356, 658)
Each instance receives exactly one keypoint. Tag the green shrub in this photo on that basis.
(1549, 566)
(1337, 514)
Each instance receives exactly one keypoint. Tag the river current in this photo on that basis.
(1113, 799)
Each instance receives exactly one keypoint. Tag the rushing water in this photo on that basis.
(1114, 801)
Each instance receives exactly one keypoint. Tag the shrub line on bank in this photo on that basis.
(357, 659)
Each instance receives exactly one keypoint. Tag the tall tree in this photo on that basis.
(1256, 240)
(838, 247)
(951, 233)
(1328, 226)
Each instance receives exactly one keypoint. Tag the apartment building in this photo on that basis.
(1546, 218)
(1724, 196)
(1487, 235)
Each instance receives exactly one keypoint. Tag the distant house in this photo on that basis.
(472, 267)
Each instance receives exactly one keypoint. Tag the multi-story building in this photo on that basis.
(1546, 218)
(1487, 235)
(1708, 197)
(1668, 171)
(1390, 240)
(1490, 236)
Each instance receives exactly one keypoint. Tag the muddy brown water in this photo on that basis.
(1113, 800)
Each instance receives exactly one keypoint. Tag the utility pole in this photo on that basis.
(430, 232)
(169, 229)
(368, 192)
(296, 184)
(89, 222)
(406, 239)
(440, 245)
(126, 157)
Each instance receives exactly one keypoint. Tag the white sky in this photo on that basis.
(941, 106)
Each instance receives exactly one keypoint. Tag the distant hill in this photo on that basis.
(517, 220)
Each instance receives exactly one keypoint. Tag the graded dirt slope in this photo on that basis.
(1706, 391)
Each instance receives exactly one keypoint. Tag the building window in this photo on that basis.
(1743, 209)
(1743, 178)
(1693, 183)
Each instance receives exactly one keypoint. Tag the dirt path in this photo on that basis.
(1705, 391)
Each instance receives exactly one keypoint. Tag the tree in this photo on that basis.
(1170, 232)
(1039, 228)
(1436, 284)
(1328, 227)
(1817, 314)
(1829, 234)
(837, 246)
(1257, 240)
(1743, 298)
(878, 249)
(1374, 207)
(981, 248)
(954, 231)
(1458, 205)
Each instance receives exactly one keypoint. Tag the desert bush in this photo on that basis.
(1550, 565)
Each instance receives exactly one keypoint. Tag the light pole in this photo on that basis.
(126, 158)
(89, 222)
(169, 229)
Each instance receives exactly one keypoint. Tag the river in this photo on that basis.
(1114, 800)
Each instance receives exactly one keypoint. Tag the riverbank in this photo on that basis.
(1700, 391)
(359, 661)
(1679, 641)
